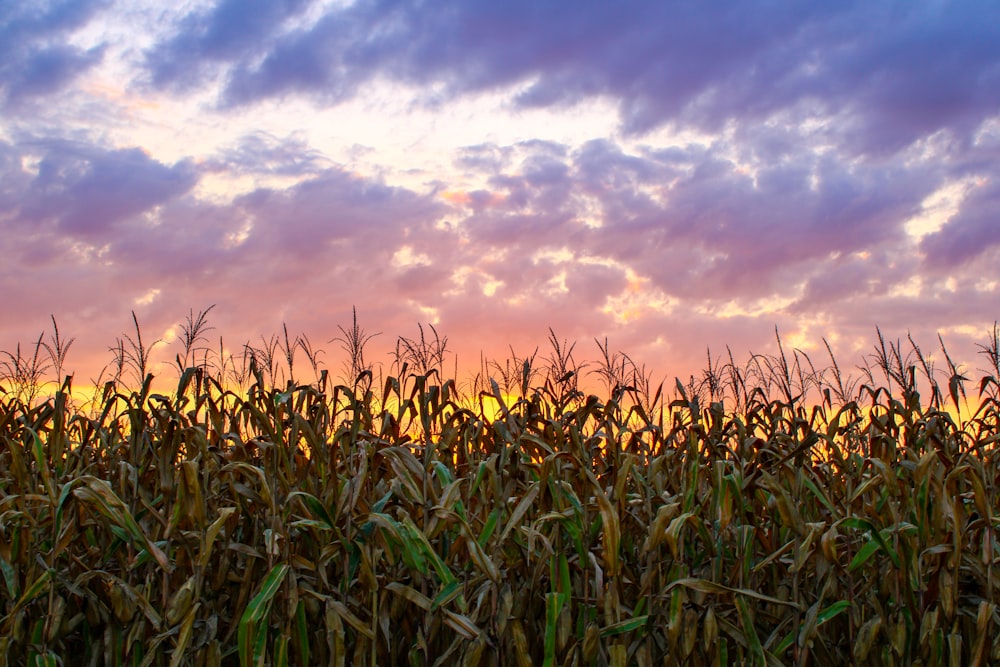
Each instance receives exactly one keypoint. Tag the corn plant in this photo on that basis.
(402, 522)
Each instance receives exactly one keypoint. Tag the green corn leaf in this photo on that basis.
(98, 493)
(825, 615)
(315, 506)
(252, 631)
(302, 633)
(488, 527)
(625, 626)
(448, 593)
(9, 577)
(39, 586)
(876, 537)
(750, 633)
(553, 605)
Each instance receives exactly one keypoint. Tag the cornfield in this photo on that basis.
(405, 520)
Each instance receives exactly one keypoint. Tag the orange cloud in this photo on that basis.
(477, 199)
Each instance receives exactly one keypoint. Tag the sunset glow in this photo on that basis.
(667, 176)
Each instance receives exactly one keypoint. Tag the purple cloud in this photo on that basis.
(704, 225)
(261, 153)
(880, 76)
(317, 216)
(230, 31)
(86, 191)
(797, 142)
(47, 71)
(34, 58)
(974, 231)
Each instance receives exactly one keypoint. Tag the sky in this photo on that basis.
(672, 177)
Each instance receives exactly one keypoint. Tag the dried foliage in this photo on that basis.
(398, 522)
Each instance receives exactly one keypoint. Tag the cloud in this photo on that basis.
(35, 59)
(301, 253)
(262, 153)
(876, 78)
(483, 158)
(778, 235)
(914, 73)
(764, 165)
(47, 71)
(703, 224)
(336, 211)
(968, 235)
(231, 30)
(694, 222)
(86, 191)
(842, 278)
